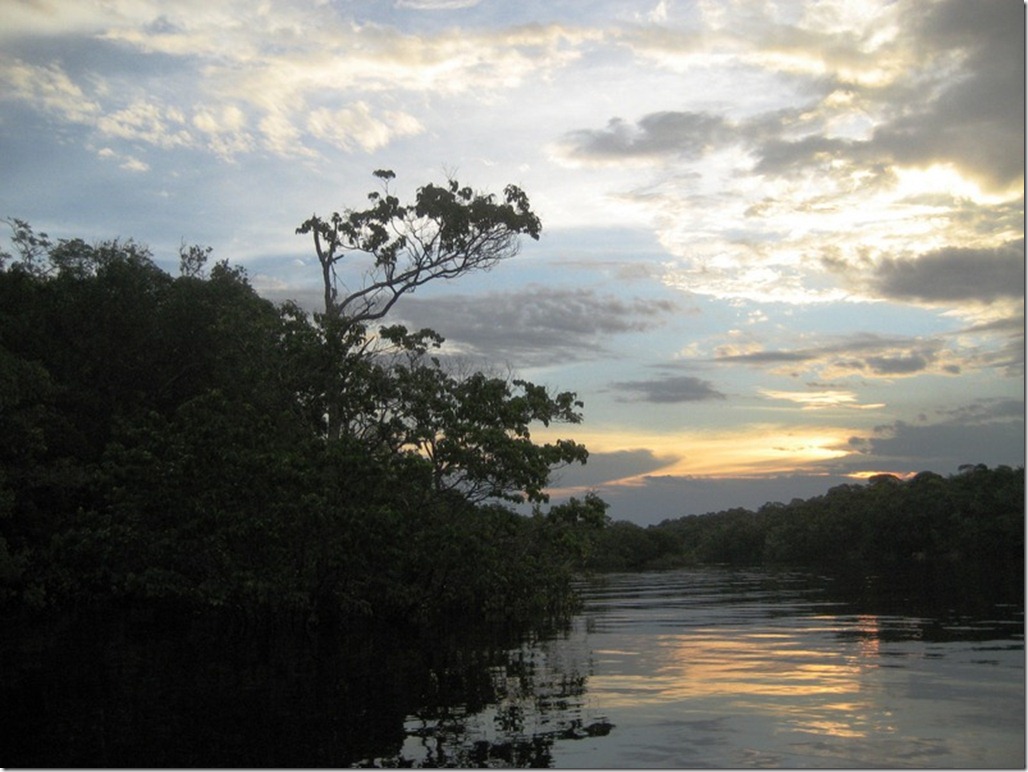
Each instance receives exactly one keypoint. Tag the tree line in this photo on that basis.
(180, 442)
(967, 523)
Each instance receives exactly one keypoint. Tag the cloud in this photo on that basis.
(683, 134)
(751, 466)
(672, 389)
(355, 126)
(861, 354)
(128, 163)
(977, 121)
(993, 346)
(855, 136)
(952, 274)
(818, 400)
(536, 325)
(985, 411)
(47, 87)
(436, 5)
(944, 85)
(903, 364)
(233, 78)
(609, 468)
(985, 432)
(142, 121)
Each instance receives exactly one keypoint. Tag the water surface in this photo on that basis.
(700, 668)
(717, 668)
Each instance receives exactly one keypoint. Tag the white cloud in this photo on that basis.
(280, 135)
(281, 78)
(49, 88)
(135, 165)
(223, 130)
(436, 5)
(820, 400)
(659, 12)
(127, 162)
(142, 121)
(355, 125)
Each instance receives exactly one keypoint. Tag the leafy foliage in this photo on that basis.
(447, 232)
(183, 441)
(971, 522)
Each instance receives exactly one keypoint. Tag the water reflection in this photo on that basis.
(745, 669)
(682, 669)
(537, 700)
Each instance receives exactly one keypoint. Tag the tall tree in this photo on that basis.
(447, 232)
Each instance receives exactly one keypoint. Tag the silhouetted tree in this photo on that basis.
(447, 232)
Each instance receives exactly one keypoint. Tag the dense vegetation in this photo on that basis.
(970, 523)
(180, 442)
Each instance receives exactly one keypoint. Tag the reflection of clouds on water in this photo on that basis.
(742, 669)
(867, 626)
(807, 687)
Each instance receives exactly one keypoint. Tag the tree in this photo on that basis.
(475, 431)
(184, 443)
(386, 390)
(447, 232)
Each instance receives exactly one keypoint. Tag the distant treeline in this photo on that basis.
(972, 520)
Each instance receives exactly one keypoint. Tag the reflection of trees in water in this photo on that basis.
(117, 690)
(531, 701)
(452, 747)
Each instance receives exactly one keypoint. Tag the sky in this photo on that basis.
(782, 246)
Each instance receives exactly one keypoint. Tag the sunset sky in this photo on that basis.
(783, 242)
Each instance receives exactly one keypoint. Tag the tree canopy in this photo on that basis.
(182, 440)
(969, 525)
(447, 232)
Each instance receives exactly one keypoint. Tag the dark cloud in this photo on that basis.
(978, 121)
(681, 388)
(686, 134)
(863, 353)
(535, 326)
(607, 467)
(778, 155)
(769, 357)
(986, 433)
(985, 410)
(955, 274)
(972, 117)
(898, 365)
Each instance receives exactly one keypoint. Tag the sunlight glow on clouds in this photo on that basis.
(817, 400)
(745, 451)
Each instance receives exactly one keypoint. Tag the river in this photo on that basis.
(721, 668)
(692, 668)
